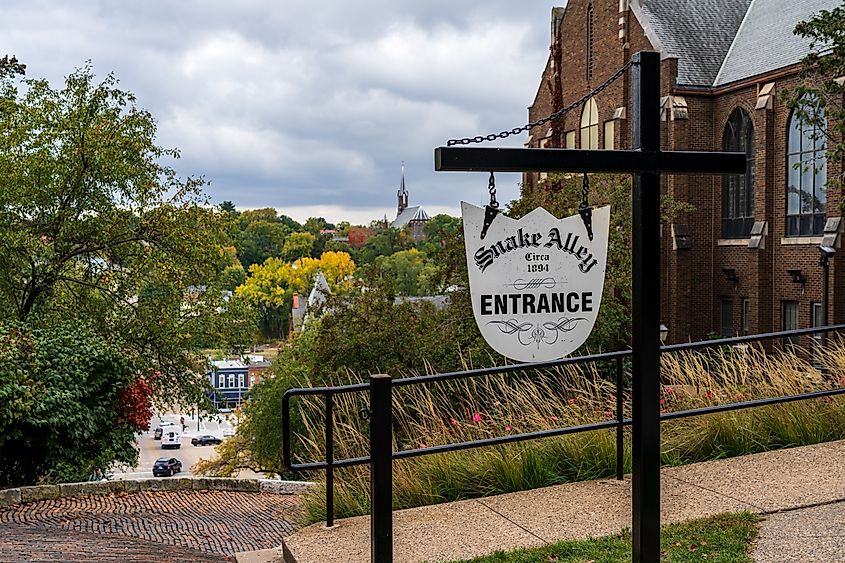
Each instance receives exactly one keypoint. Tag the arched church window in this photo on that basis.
(806, 170)
(738, 189)
(590, 125)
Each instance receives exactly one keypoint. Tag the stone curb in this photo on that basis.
(21, 495)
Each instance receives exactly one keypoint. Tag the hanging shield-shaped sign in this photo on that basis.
(536, 283)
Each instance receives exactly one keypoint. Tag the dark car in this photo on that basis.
(206, 440)
(166, 466)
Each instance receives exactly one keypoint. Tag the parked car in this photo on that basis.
(205, 440)
(158, 431)
(166, 466)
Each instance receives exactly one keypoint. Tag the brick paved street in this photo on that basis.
(146, 526)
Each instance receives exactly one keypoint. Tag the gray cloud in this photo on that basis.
(301, 105)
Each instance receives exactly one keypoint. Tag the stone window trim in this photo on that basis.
(732, 242)
(797, 241)
(765, 97)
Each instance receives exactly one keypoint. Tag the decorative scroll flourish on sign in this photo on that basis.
(536, 282)
(548, 333)
(522, 285)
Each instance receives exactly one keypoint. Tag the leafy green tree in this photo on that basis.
(10, 66)
(385, 243)
(290, 223)
(343, 228)
(405, 267)
(314, 225)
(228, 207)
(67, 404)
(441, 227)
(260, 234)
(337, 246)
(298, 245)
(90, 217)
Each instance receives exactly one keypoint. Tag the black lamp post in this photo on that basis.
(827, 253)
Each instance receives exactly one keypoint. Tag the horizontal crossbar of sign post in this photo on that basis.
(477, 159)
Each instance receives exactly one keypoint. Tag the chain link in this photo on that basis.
(559, 113)
(585, 191)
(491, 187)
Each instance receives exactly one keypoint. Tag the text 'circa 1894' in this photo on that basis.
(536, 282)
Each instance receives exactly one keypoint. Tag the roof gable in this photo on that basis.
(410, 214)
(699, 33)
(766, 42)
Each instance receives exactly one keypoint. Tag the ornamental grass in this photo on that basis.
(505, 404)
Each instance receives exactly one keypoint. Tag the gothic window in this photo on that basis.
(806, 172)
(589, 42)
(590, 125)
(738, 189)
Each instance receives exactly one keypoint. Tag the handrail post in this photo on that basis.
(620, 416)
(329, 462)
(286, 430)
(381, 469)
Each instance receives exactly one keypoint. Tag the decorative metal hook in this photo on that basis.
(584, 209)
(492, 208)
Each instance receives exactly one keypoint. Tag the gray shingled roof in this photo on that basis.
(765, 41)
(698, 32)
(410, 214)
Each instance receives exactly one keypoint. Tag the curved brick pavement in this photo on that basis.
(146, 526)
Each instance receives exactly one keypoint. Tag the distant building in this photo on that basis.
(303, 307)
(232, 379)
(414, 218)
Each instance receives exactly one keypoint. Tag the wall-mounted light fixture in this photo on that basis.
(664, 333)
(796, 276)
(731, 276)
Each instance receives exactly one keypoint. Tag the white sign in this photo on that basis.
(536, 283)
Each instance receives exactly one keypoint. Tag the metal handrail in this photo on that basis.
(619, 422)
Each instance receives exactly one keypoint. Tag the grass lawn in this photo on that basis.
(725, 538)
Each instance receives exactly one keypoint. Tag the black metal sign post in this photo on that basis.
(646, 162)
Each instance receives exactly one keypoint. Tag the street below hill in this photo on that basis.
(150, 449)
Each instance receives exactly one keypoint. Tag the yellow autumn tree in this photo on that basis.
(270, 283)
(267, 283)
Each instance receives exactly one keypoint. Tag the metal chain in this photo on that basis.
(585, 192)
(491, 187)
(543, 121)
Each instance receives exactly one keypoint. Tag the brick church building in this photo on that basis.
(747, 260)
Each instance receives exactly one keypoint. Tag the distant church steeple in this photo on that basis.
(402, 194)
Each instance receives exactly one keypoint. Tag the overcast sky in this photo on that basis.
(305, 106)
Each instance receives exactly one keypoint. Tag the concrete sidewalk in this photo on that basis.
(768, 483)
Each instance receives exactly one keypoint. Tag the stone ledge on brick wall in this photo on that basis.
(10, 497)
(40, 492)
(169, 484)
(284, 487)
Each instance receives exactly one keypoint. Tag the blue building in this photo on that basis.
(232, 379)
